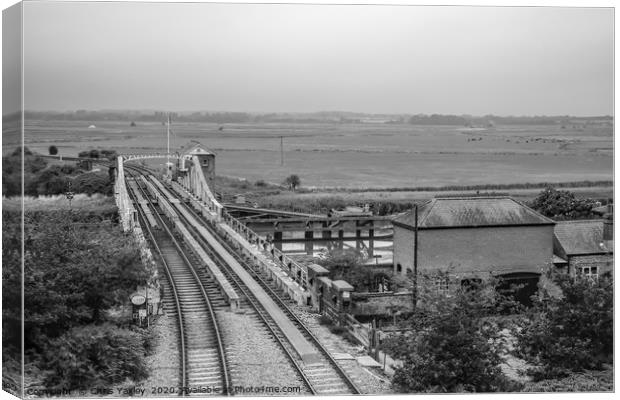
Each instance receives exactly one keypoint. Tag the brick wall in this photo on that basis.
(370, 304)
(603, 262)
(476, 250)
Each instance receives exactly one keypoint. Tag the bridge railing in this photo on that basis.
(196, 184)
(126, 209)
(295, 270)
(129, 157)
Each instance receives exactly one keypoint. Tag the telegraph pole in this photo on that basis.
(281, 150)
(415, 259)
(168, 152)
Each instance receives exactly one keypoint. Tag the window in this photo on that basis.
(589, 272)
(442, 286)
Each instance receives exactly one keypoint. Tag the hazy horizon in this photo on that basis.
(183, 112)
(287, 58)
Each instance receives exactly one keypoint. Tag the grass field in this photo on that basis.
(358, 155)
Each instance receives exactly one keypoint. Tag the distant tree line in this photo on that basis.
(488, 186)
(316, 117)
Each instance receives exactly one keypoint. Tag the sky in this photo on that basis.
(306, 58)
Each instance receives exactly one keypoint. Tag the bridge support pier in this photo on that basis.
(309, 243)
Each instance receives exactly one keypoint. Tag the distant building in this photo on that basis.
(475, 237)
(584, 246)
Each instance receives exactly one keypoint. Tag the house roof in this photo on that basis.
(581, 237)
(460, 212)
(196, 148)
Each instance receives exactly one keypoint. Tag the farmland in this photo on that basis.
(360, 155)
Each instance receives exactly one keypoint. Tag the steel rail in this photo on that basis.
(220, 346)
(275, 296)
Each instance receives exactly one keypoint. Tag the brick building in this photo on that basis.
(475, 237)
(584, 247)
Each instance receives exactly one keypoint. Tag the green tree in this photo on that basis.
(562, 204)
(572, 332)
(455, 342)
(53, 150)
(348, 266)
(71, 278)
(292, 182)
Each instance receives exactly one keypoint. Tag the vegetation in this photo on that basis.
(44, 178)
(455, 344)
(571, 333)
(324, 204)
(347, 265)
(94, 355)
(315, 117)
(485, 187)
(94, 153)
(53, 150)
(587, 381)
(292, 182)
(12, 173)
(74, 276)
(562, 204)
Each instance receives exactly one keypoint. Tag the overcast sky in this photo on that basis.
(286, 58)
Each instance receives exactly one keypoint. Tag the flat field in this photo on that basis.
(357, 155)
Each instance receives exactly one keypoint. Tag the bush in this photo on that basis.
(94, 355)
(337, 330)
(325, 320)
(260, 183)
(53, 150)
(455, 344)
(568, 334)
(562, 204)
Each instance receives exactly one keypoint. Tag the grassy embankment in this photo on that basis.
(392, 200)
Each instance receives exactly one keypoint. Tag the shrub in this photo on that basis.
(260, 183)
(53, 150)
(568, 334)
(93, 355)
(337, 330)
(325, 320)
(455, 344)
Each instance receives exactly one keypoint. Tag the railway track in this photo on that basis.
(204, 369)
(255, 319)
(325, 376)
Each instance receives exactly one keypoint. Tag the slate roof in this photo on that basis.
(580, 237)
(196, 148)
(460, 212)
